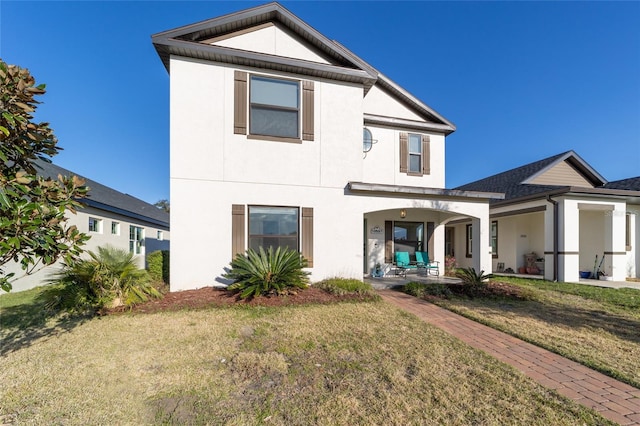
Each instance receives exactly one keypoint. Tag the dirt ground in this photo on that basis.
(213, 297)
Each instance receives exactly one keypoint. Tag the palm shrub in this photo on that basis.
(263, 272)
(109, 278)
(473, 283)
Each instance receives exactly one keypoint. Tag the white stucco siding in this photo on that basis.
(273, 40)
(98, 239)
(199, 262)
(380, 102)
(632, 266)
(382, 163)
(198, 97)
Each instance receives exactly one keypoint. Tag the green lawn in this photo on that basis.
(598, 327)
(356, 364)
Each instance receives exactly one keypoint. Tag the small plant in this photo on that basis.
(473, 283)
(450, 265)
(263, 272)
(342, 286)
(109, 278)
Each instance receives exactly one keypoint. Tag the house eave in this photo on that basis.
(402, 123)
(631, 196)
(126, 213)
(168, 47)
(419, 191)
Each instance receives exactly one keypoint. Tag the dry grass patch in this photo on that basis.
(593, 328)
(356, 364)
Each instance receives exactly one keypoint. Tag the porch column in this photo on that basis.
(482, 260)
(615, 249)
(549, 238)
(569, 241)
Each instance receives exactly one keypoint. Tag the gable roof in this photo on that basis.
(631, 184)
(191, 41)
(105, 198)
(514, 182)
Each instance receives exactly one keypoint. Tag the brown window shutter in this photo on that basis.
(307, 234)
(404, 153)
(431, 226)
(307, 110)
(426, 155)
(240, 103)
(388, 241)
(237, 229)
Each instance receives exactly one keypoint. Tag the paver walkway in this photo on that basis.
(614, 400)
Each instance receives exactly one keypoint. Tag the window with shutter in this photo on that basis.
(415, 154)
(273, 108)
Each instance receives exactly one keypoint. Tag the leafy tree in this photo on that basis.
(164, 205)
(33, 226)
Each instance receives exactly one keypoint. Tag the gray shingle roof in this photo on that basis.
(105, 198)
(509, 182)
(632, 184)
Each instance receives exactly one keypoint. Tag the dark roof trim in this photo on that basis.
(123, 212)
(412, 101)
(603, 192)
(261, 60)
(578, 163)
(381, 120)
(420, 191)
(518, 212)
(186, 41)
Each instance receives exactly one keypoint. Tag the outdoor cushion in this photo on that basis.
(402, 259)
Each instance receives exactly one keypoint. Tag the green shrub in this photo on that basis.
(158, 265)
(342, 286)
(267, 272)
(423, 289)
(473, 283)
(110, 278)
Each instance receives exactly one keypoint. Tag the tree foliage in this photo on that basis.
(163, 205)
(33, 226)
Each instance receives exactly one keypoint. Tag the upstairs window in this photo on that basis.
(415, 153)
(274, 107)
(415, 158)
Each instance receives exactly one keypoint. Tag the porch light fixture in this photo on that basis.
(403, 213)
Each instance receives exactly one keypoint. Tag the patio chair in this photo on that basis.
(423, 262)
(402, 263)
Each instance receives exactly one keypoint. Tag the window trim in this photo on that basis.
(627, 231)
(98, 223)
(117, 227)
(140, 242)
(410, 153)
(298, 110)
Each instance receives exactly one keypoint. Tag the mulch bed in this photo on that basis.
(208, 297)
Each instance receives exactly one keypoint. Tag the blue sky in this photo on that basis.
(521, 80)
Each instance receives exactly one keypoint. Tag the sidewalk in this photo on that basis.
(612, 399)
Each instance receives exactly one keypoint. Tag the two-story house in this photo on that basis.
(282, 137)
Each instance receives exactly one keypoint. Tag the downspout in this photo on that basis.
(556, 235)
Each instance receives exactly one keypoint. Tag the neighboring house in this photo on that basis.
(282, 137)
(109, 218)
(564, 211)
